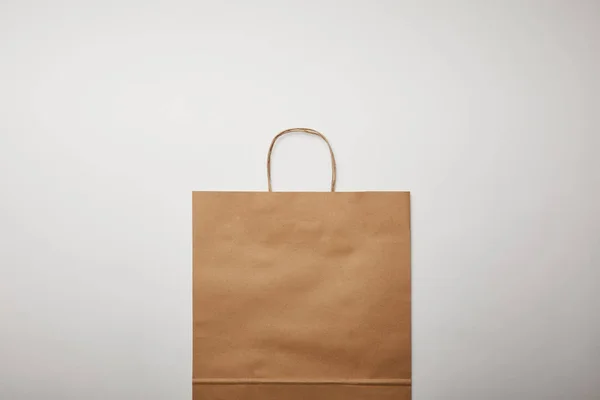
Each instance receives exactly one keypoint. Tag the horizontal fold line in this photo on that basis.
(364, 382)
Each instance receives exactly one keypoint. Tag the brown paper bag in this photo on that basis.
(301, 295)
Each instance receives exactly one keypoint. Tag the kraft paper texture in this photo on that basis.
(301, 296)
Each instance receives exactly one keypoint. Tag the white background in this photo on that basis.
(112, 112)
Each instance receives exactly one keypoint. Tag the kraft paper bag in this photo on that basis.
(301, 295)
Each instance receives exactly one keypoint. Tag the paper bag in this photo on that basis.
(301, 295)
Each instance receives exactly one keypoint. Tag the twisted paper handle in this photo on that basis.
(305, 130)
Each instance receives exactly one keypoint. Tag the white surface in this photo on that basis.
(112, 112)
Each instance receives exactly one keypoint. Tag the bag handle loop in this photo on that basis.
(305, 130)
